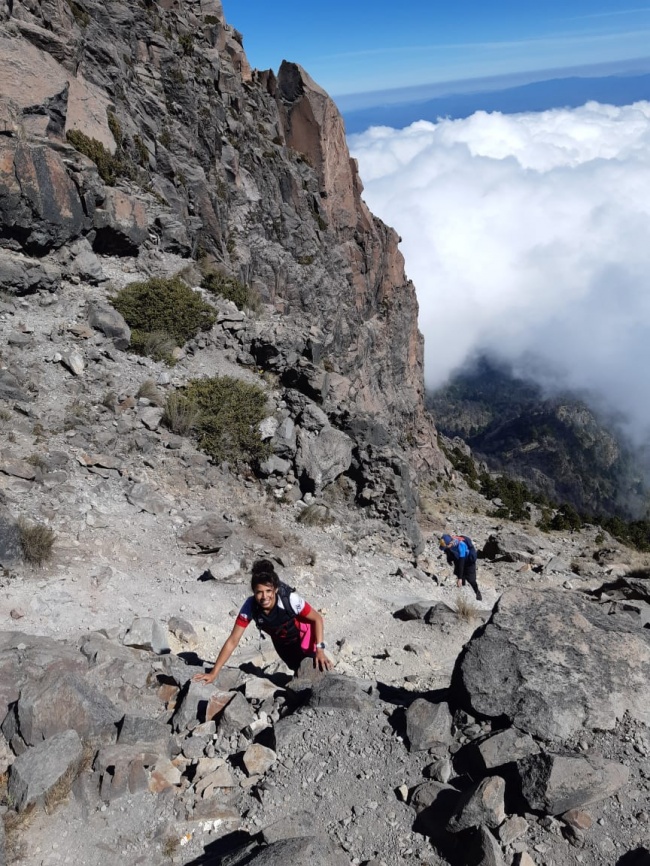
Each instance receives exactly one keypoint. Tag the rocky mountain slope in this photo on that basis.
(557, 445)
(513, 731)
(196, 154)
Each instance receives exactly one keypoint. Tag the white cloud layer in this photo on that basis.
(527, 234)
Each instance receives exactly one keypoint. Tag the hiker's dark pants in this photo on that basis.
(466, 571)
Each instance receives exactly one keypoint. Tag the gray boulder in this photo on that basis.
(481, 805)
(322, 457)
(538, 641)
(12, 389)
(85, 263)
(434, 803)
(121, 224)
(11, 551)
(428, 725)
(62, 702)
(146, 633)
(45, 772)
(40, 203)
(183, 631)
(208, 535)
(146, 733)
(236, 715)
(506, 747)
(341, 693)
(556, 783)
(414, 610)
(508, 546)
(192, 704)
(20, 275)
(488, 849)
(105, 318)
(145, 498)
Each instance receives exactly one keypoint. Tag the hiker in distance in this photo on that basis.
(461, 553)
(295, 628)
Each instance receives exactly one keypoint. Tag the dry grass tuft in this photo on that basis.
(158, 345)
(170, 846)
(181, 414)
(149, 391)
(315, 515)
(465, 609)
(36, 541)
(59, 792)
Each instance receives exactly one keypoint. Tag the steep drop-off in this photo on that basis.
(556, 444)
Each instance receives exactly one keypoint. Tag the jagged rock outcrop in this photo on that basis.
(193, 152)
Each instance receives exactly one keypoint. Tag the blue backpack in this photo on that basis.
(472, 553)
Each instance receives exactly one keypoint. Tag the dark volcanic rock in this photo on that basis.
(40, 207)
(556, 783)
(536, 642)
(427, 724)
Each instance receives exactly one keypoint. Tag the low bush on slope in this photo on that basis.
(223, 414)
(162, 313)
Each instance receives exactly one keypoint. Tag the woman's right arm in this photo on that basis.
(224, 654)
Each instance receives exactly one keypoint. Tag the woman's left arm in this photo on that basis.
(320, 661)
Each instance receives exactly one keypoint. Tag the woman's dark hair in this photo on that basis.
(263, 572)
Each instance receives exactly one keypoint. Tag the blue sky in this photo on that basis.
(361, 46)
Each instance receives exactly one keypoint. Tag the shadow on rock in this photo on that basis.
(220, 847)
(639, 857)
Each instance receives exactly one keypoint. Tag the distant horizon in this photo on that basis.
(423, 92)
(370, 47)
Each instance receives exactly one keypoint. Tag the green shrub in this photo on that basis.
(243, 297)
(165, 137)
(36, 541)
(115, 127)
(514, 495)
(566, 517)
(181, 415)
(230, 412)
(79, 14)
(110, 166)
(96, 151)
(158, 306)
(187, 44)
(142, 150)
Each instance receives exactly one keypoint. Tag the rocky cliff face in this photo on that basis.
(196, 154)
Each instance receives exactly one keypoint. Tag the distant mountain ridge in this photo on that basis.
(568, 92)
(557, 445)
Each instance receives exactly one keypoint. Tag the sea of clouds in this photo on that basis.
(527, 236)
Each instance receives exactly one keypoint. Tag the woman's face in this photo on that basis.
(265, 595)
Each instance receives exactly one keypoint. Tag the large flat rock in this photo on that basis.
(45, 771)
(554, 662)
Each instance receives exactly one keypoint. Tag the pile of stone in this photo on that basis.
(515, 750)
(126, 715)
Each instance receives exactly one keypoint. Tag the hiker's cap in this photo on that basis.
(445, 541)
